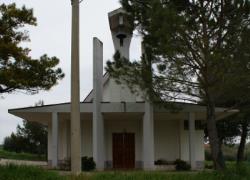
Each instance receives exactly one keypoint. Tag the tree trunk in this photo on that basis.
(241, 149)
(217, 156)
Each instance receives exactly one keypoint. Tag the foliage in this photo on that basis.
(88, 164)
(181, 165)
(13, 143)
(231, 128)
(162, 162)
(232, 173)
(30, 138)
(193, 51)
(18, 71)
(228, 130)
(13, 172)
(21, 156)
(230, 153)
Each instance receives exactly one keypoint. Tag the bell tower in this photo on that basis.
(121, 31)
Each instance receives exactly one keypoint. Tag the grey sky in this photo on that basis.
(52, 36)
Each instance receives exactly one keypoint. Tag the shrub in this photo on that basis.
(181, 165)
(208, 156)
(161, 162)
(209, 165)
(88, 164)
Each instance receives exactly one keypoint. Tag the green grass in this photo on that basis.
(21, 156)
(232, 173)
(159, 176)
(12, 172)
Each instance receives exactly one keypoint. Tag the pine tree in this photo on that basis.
(18, 71)
(192, 52)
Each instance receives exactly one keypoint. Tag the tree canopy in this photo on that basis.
(195, 51)
(30, 137)
(19, 71)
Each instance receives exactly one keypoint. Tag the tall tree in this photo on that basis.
(245, 127)
(30, 137)
(236, 94)
(191, 48)
(18, 71)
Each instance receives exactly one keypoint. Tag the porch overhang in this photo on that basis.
(42, 114)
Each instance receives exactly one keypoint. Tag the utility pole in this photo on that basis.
(75, 92)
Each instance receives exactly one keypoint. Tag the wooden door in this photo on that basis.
(123, 150)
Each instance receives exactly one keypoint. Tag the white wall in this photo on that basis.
(113, 92)
(63, 130)
(166, 139)
(87, 138)
(171, 140)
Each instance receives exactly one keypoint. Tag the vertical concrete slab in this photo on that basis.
(148, 137)
(50, 143)
(179, 136)
(75, 92)
(98, 125)
(68, 139)
(54, 140)
(191, 122)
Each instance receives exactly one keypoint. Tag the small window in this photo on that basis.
(121, 21)
(198, 125)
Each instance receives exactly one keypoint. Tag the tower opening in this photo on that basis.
(121, 37)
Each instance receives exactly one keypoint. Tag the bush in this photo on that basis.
(161, 162)
(181, 165)
(88, 164)
(208, 156)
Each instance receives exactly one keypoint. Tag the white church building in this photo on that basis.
(119, 129)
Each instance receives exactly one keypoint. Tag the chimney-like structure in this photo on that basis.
(121, 30)
(98, 124)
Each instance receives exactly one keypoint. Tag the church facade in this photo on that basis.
(120, 129)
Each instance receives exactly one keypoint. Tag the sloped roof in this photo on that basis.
(89, 97)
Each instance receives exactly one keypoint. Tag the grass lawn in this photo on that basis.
(21, 156)
(12, 172)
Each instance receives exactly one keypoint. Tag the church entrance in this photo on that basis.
(123, 150)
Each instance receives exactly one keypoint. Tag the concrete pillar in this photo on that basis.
(180, 129)
(148, 137)
(191, 122)
(68, 139)
(54, 140)
(75, 92)
(50, 143)
(98, 124)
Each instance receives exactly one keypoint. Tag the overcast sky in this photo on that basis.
(52, 36)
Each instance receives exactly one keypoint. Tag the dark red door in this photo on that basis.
(123, 150)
